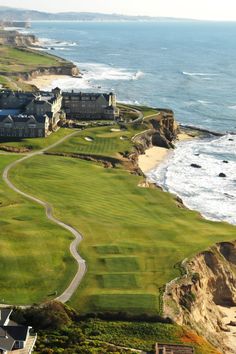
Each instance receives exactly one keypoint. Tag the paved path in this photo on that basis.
(49, 213)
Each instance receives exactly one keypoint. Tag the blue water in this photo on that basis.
(187, 66)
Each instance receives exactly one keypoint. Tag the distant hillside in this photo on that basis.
(14, 14)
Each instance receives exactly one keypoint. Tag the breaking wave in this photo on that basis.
(198, 74)
(102, 72)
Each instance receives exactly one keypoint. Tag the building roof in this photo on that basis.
(6, 341)
(4, 315)
(10, 331)
(22, 118)
(6, 112)
(81, 95)
(10, 334)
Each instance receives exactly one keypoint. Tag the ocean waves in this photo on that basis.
(103, 72)
(97, 77)
(198, 74)
(202, 189)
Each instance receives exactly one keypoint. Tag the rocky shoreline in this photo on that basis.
(204, 298)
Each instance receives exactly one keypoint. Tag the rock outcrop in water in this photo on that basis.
(197, 299)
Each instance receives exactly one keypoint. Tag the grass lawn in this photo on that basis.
(36, 143)
(133, 237)
(34, 257)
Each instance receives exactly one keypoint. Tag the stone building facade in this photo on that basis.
(31, 115)
(28, 114)
(89, 106)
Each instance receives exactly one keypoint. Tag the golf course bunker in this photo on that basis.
(115, 130)
(88, 138)
(124, 138)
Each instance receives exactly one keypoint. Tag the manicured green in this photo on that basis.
(34, 257)
(105, 142)
(133, 237)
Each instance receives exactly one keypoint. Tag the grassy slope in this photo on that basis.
(96, 334)
(34, 257)
(133, 236)
(14, 60)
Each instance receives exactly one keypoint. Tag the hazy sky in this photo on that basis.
(201, 9)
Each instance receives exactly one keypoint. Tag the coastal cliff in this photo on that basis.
(201, 298)
(15, 38)
(67, 69)
(161, 131)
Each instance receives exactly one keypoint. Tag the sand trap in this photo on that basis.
(88, 138)
(152, 158)
(124, 138)
(115, 130)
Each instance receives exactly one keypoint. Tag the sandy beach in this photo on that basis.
(45, 81)
(230, 316)
(152, 158)
(184, 136)
(155, 155)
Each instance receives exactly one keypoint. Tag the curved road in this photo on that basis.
(69, 291)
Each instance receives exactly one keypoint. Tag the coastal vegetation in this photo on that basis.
(133, 237)
(62, 330)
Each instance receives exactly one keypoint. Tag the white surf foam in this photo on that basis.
(94, 77)
(131, 102)
(51, 43)
(198, 74)
(202, 189)
(103, 72)
(204, 102)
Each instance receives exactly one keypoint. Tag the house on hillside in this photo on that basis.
(14, 338)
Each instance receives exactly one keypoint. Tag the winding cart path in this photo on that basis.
(69, 291)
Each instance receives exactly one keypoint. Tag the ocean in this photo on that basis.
(189, 67)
